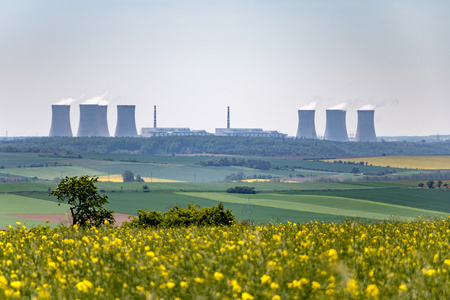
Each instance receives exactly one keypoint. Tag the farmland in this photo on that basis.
(431, 162)
(179, 180)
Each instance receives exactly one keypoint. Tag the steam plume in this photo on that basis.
(100, 100)
(310, 106)
(65, 101)
(340, 106)
(368, 107)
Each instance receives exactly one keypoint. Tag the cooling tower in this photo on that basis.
(103, 120)
(60, 121)
(335, 129)
(89, 121)
(365, 131)
(126, 124)
(306, 126)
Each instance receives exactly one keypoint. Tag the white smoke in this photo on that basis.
(310, 106)
(65, 101)
(340, 106)
(368, 107)
(100, 100)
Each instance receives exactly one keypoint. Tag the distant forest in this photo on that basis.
(221, 145)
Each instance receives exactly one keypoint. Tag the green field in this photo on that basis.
(274, 202)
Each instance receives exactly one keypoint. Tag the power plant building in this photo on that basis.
(60, 121)
(365, 132)
(170, 131)
(306, 126)
(336, 128)
(250, 132)
(89, 121)
(126, 123)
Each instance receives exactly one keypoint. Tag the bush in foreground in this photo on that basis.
(193, 215)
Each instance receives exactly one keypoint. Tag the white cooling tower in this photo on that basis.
(336, 129)
(126, 123)
(306, 126)
(89, 121)
(365, 132)
(60, 121)
(103, 120)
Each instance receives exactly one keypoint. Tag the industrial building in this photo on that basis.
(250, 132)
(60, 121)
(336, 128)
(170, 131)
(365, 132)
(126, 123)
(306, 125)
(247, 132)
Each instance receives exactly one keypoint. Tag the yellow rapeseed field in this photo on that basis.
(411, 162)
(118, 178)
(386, 260)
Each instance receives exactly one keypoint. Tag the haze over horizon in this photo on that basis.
(264, 59)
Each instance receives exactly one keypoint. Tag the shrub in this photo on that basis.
(242, 190)
(177, 216)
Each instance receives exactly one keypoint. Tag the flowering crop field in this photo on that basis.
(384, 260)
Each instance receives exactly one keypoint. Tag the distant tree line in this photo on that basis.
(74, 147)
(249, 163)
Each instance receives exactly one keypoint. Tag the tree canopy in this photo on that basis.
(86, 203)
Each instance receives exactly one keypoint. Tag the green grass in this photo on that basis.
(332, 205)
(16, 204)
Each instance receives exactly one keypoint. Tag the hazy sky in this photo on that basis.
(264, 59)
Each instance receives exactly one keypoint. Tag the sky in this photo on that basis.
(192, 59)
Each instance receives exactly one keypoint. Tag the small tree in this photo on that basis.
(128, 176)
(145, 189)
(139, 178)
(421, 185)
(355, 170)
(439, 184)
(86, 203)
(430, 184)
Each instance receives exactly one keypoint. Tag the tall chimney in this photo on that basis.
(60, 121)
(154, 116)
(228, 118)
(89, 121)
(365, 132)
(336, 129)
(126, 123)
(306, 126)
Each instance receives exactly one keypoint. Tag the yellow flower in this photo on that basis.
(16, 284)
(265, 278)
(315, 285)
(372, 291)
(276, 297)
(353, 287)
(218, 276)
(402, 288)
(170, 285)
(246, 296)
(199, 280)
(184, 284)
(3, 282)
(274, 286)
